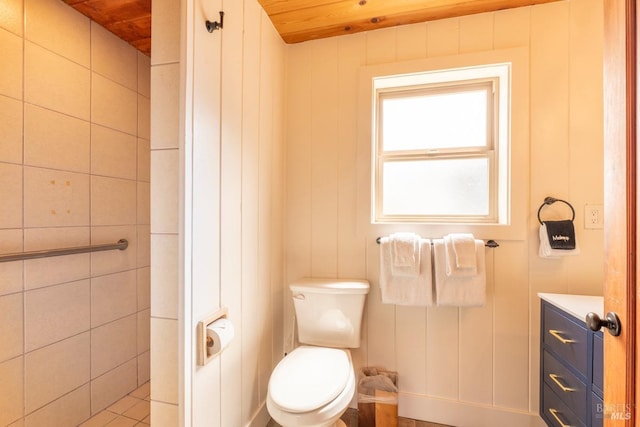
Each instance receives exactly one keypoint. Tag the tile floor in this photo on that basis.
(132, 410)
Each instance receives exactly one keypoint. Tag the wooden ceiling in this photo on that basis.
(128, 19)
(299, 20)
(302, 20)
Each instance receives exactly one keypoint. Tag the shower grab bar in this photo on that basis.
(121, 245)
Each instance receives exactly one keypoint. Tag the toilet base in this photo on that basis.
(340, 423)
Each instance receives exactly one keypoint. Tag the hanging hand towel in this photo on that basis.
(547, 241)
(461, 291)
(561, 234)
(405, 251)
(460, 251)
(557, 238)
(405, 290)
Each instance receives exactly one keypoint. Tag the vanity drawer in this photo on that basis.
(566, 385)
(556, 412)
(566, 338)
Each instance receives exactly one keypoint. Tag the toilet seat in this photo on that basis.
(309, 378)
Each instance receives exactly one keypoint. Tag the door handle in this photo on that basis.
(611, 322)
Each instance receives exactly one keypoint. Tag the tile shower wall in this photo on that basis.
(74, 167)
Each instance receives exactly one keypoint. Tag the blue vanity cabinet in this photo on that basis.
(570, 367)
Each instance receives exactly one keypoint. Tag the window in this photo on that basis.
(440, 152)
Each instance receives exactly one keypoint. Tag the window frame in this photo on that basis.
(489, 151)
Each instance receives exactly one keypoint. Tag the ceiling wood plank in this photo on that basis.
(348, 16)
(299, 20)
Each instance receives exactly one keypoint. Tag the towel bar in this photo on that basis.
(489, 243)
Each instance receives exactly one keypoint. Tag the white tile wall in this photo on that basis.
(113, 261)
(113, 344)
(51, 271)
(75, 167)
(11, 129)
(165, 43)
(55, 198)
(11, 195)
(11, 326)
(113, 105)
(164, 124)
(113, 296)
(11, 16)
(163, 414)
(164, 191)
(113, 153)
(144, 245)
(144, 77)
(56, 312)
(12, 390)
(68, 410)
(113, 201)
(11, 278)
(11, 73)
(57, 141)
(144, 291)
(113, 59)
(144, 160)
(55, 370)
(164, 272)
(57, 83)
(68, 38)
(113, 385)
(164, 342)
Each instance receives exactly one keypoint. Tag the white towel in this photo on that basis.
(460, 252)
(406, 290)
(464, 249)
(461, 291)
(546, 251)
(405, 251)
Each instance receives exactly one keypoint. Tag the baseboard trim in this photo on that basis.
(461, 414)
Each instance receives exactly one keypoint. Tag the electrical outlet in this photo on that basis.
(593, 216)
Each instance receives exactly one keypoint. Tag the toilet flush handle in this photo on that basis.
(301, 297)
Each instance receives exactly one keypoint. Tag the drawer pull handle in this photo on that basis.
(554, 378)
(554, 413)
(556, 335)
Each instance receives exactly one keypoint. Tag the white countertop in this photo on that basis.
(576, 305)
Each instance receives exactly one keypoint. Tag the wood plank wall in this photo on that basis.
(218, 145)
(459, 367)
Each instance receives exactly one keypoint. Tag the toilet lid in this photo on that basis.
(309, 378)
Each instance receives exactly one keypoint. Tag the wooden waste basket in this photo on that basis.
(377, 398)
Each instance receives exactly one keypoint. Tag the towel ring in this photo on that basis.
(551, 200)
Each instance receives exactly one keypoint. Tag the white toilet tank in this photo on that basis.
(329, 311)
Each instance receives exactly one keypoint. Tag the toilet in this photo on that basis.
(314, 384)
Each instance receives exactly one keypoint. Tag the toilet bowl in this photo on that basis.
(311, 387)
(314, 384)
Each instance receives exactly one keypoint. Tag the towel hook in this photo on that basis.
(551, 200)
(215, 25)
